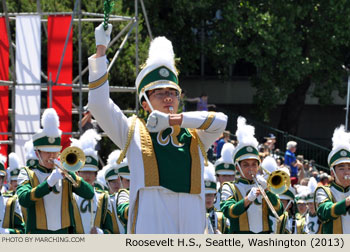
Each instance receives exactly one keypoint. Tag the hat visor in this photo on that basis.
(284, 197)
(158, 85)
(91, 168)
(125, 176)
(225, 172)
(301, 201)
(209, 190)
(48, 148)
(112, 177)
(248, 156)
(341, 161)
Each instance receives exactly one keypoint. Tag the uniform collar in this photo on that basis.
(340, 188)
(246, 181)
(43, 169)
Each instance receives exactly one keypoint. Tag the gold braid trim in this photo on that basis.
(97, 83)
(201, 147)
(130, 135)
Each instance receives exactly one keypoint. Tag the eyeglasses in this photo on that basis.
(161, 94)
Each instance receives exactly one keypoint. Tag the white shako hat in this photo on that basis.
(311, 186)
(159, 71)
(49, 137)
(14, 166)
(112, 170)
(341, 147)
(123, 169)
(302, 194)
(87, 142)
(30, 156)
(209, 178)
(225, 165)
(247, 147)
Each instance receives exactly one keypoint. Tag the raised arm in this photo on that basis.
(107, 114)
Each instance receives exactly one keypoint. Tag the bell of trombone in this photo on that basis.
(72, 159)
(278, 182)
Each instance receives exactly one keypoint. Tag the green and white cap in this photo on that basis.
(49, 137)
(302, 194)
(209, 179)
(30, 156)
(87, 142)
(14, 167)
(160, 71)
(2, 165)
(247, 147)
(123, 169)
(224, 165)
(111, 172)
(341, 147)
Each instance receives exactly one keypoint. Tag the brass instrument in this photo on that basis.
(278, 181)
(72, 159)
(263, 194)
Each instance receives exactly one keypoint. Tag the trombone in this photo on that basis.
(72, 159)
(269, 204)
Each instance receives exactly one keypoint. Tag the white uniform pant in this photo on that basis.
(162, 211)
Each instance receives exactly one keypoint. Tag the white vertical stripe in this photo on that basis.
(28, 66)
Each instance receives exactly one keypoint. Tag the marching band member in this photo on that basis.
(91, 216)
(166, 152)
(113, 180)
(216, 221)
(13, 172)
(241, 201)
(10, 212)
(43, 190)
(224, 169)
(333, 201)
(312, 221)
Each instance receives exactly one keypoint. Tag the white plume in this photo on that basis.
(245, 133)
(88, 142)
(269, 164)
(14, 162)
(227, 153)
(113, 157)
(100, 178)
(209, 173)
(161, 52)
(341, 139)
(29, 150)
(50, 123)
(312, 185)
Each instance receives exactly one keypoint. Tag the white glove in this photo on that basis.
(4, 230)
(103, 37)
(157, 121)
(54, 177)
(262, 181)
(252, 194)
(99, 230)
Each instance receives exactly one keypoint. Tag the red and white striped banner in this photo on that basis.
(58, 27)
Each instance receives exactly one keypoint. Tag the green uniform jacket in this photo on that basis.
(31, 193)
(329, 211)
(13, 220)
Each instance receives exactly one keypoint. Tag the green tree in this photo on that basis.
(292, 44)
